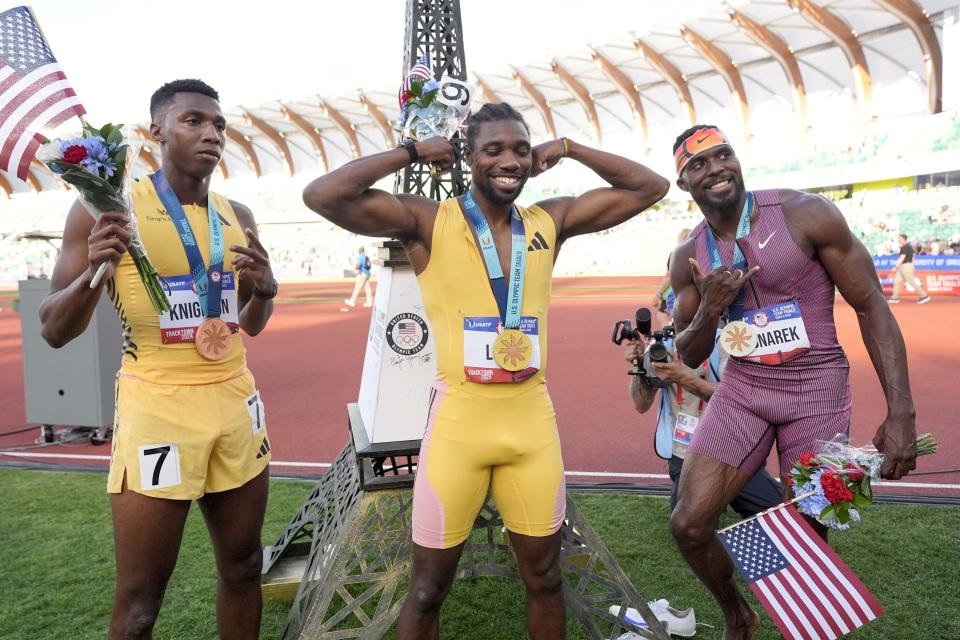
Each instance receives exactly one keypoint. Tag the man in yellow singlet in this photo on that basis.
(189, 421)
(484, 267)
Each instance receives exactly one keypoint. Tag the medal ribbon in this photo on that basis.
(205, 282)
(508, 303)
(735, 310)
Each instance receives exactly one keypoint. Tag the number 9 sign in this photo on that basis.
(455, 93)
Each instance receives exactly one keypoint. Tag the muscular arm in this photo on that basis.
(346, 197)
(67, 309)
(253, 266)
(850, 266)
(633, 188)
(696, 323)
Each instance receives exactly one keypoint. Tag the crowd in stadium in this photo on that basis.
(317, 249)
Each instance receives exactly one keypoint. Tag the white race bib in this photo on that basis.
(478, 336)
(181, 322)
(684, 428)
(159, 466)
(258, 417)
(781, 334)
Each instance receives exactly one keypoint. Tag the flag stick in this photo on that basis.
(763, 513)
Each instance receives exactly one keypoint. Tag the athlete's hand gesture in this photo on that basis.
(252, 263)
(436, 150)
(546, 156)
(719, 288)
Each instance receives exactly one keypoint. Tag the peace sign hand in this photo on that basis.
(719, 288)
(252, 264)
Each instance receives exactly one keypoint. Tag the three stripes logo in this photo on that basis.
(538, 243)
(264, 448)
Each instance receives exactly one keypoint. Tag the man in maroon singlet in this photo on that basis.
(768, 263)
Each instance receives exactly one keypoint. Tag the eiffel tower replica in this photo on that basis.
(352, 536)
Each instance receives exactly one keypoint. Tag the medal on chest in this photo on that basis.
(213, 338)
(509, 341)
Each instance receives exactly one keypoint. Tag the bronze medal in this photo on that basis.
(738, 338)
(512, 350)
(213, 339)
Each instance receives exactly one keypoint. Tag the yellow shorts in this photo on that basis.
(474, 445)
(180, 442)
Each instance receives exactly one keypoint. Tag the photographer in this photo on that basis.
(682, 402)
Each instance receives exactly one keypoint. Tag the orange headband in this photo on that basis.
(696, 143)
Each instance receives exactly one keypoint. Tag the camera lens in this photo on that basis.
(658, 352)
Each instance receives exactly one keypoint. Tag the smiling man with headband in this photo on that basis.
(763, 266)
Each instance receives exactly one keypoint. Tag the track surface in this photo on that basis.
(309, 360)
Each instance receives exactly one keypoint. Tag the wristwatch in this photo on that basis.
(411, 147)
(266, 296)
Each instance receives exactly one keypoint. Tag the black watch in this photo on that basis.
(411, 147)
(266, 296)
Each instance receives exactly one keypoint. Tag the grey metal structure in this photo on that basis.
(434, 27)
(73, 385)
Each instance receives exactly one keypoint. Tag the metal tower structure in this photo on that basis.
(434, 27)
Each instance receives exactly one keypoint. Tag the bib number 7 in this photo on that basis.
(159, 466)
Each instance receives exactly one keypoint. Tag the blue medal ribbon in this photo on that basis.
(735, 310)
(207, 282)
(509, 303)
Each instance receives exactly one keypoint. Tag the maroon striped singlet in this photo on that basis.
(795, 403)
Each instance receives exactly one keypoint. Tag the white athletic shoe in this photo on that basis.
(349, 302)
(893, 300)
(677, 623)
(923, 300)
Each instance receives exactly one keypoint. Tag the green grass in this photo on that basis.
(57, 559)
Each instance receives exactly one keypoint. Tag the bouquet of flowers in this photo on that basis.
(98, 164)
(430, 107)
(832, 485)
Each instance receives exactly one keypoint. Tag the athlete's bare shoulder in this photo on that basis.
(801, 203)
(811, 218)
(680, 272)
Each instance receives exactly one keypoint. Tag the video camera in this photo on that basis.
(656, 352)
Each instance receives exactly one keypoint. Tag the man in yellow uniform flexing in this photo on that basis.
(484, 267)
(189, 421)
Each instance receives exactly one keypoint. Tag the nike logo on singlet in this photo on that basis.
(764, 243)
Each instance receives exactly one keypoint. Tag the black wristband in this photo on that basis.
(411, 147)
(266, 296)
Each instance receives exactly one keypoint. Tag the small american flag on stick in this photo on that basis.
(34, 92)
(421, 71)
(803, 584)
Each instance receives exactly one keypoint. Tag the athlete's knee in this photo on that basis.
(428, 593)
(243, 568)
(544, 580)
(690, 528)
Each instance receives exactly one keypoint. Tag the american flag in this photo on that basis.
(421, 71)
(406, 328)
(803, 584)
(34, 92)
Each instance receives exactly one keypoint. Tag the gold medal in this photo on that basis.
(738, 338)
(512, 350)
(213, 339)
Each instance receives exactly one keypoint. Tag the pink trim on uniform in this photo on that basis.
(429, 526)
(796, 403)
(559, 506)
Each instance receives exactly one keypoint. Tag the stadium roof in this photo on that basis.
(742, 61)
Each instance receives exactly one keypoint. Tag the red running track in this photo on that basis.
(309, 360)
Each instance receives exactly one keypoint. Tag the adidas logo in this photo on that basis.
(538, 243)
(264, 448)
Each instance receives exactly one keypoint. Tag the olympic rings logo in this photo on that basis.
(407, 340)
